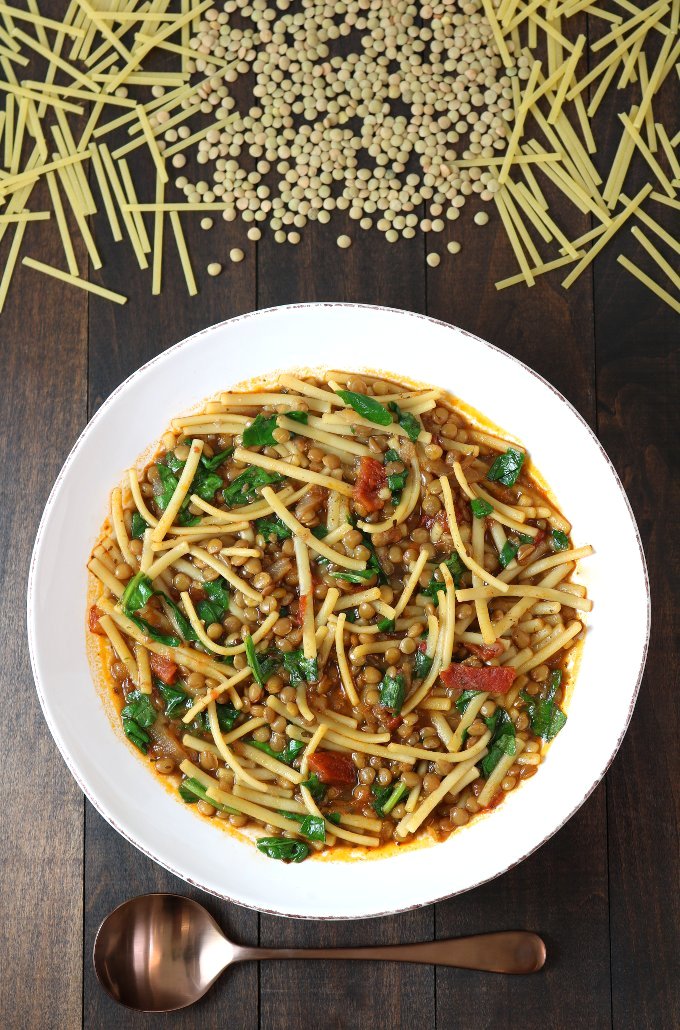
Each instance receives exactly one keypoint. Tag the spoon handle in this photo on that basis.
(512, 951)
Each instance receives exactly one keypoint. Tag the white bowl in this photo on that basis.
(563, 449)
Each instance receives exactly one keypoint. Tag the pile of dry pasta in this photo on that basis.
(396, 114)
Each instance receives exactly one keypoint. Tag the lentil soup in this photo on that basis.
(337, 614)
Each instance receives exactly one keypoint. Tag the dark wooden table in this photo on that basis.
(603, 891)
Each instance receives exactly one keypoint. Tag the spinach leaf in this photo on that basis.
(200, 724)
(386, 625)
(205, 484)
(182, 624)
(299, 668)
(351, 615)
(367, 407)
(254, 661)
(207, 613)
(217, 605)
(136, 735)
(387, 797)
(360, 576)
(506, 468)
(547, 718)
(455, 567)
(218, 593)
(333, 817)
(313, 828)
(298, 416)
(186, 795)
(136, 716)
(176, 699)
(508, 552)
(315, 787)
(212, 464)
(226, 716)
(138, 707)
(136, 594)
(168, 485)
(397, 480)
(259, 432)
(244, 488)
(283, 848)
(407, 421)
(374, 561)
(139, 526)
(172, 462)
(501, 743)
(422, 664)
(161, 638)
(480, 508)
(287, 756)
(560, 540)
(465, 699)
(273, 528)
(393, 692)
(195, 787)
(320, 532)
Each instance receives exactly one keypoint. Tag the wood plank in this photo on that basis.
(371, 271)
(638, 383)
(383, 995)
(553, 334)
(560, 892)
(43, 366)
(550, 329)
(121, 339)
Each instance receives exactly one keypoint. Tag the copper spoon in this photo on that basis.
(161, 952)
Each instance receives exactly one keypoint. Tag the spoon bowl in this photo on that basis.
(162, 952)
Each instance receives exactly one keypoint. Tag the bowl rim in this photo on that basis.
(31, 592)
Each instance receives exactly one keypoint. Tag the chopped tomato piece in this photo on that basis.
(331, 767)
(391, 722)
(427, 521)
(93, 617)
(486, 651)
(163, 668)
(370, 481)
(302, 608)
(492, 679)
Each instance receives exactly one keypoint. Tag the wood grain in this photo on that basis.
(43, 369)
(638, 385)
(121, 339)
(603, 891)
(383, 995)
(552, 331)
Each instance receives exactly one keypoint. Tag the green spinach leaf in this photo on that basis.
(245, 487)
(273, 528)
(367, 407)
(480, 508)
(136, 594)
(392, 693)
(139, 526)
(506, 468)
(407, 421)
(299, 668)
(259, 432)
(283, 848)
